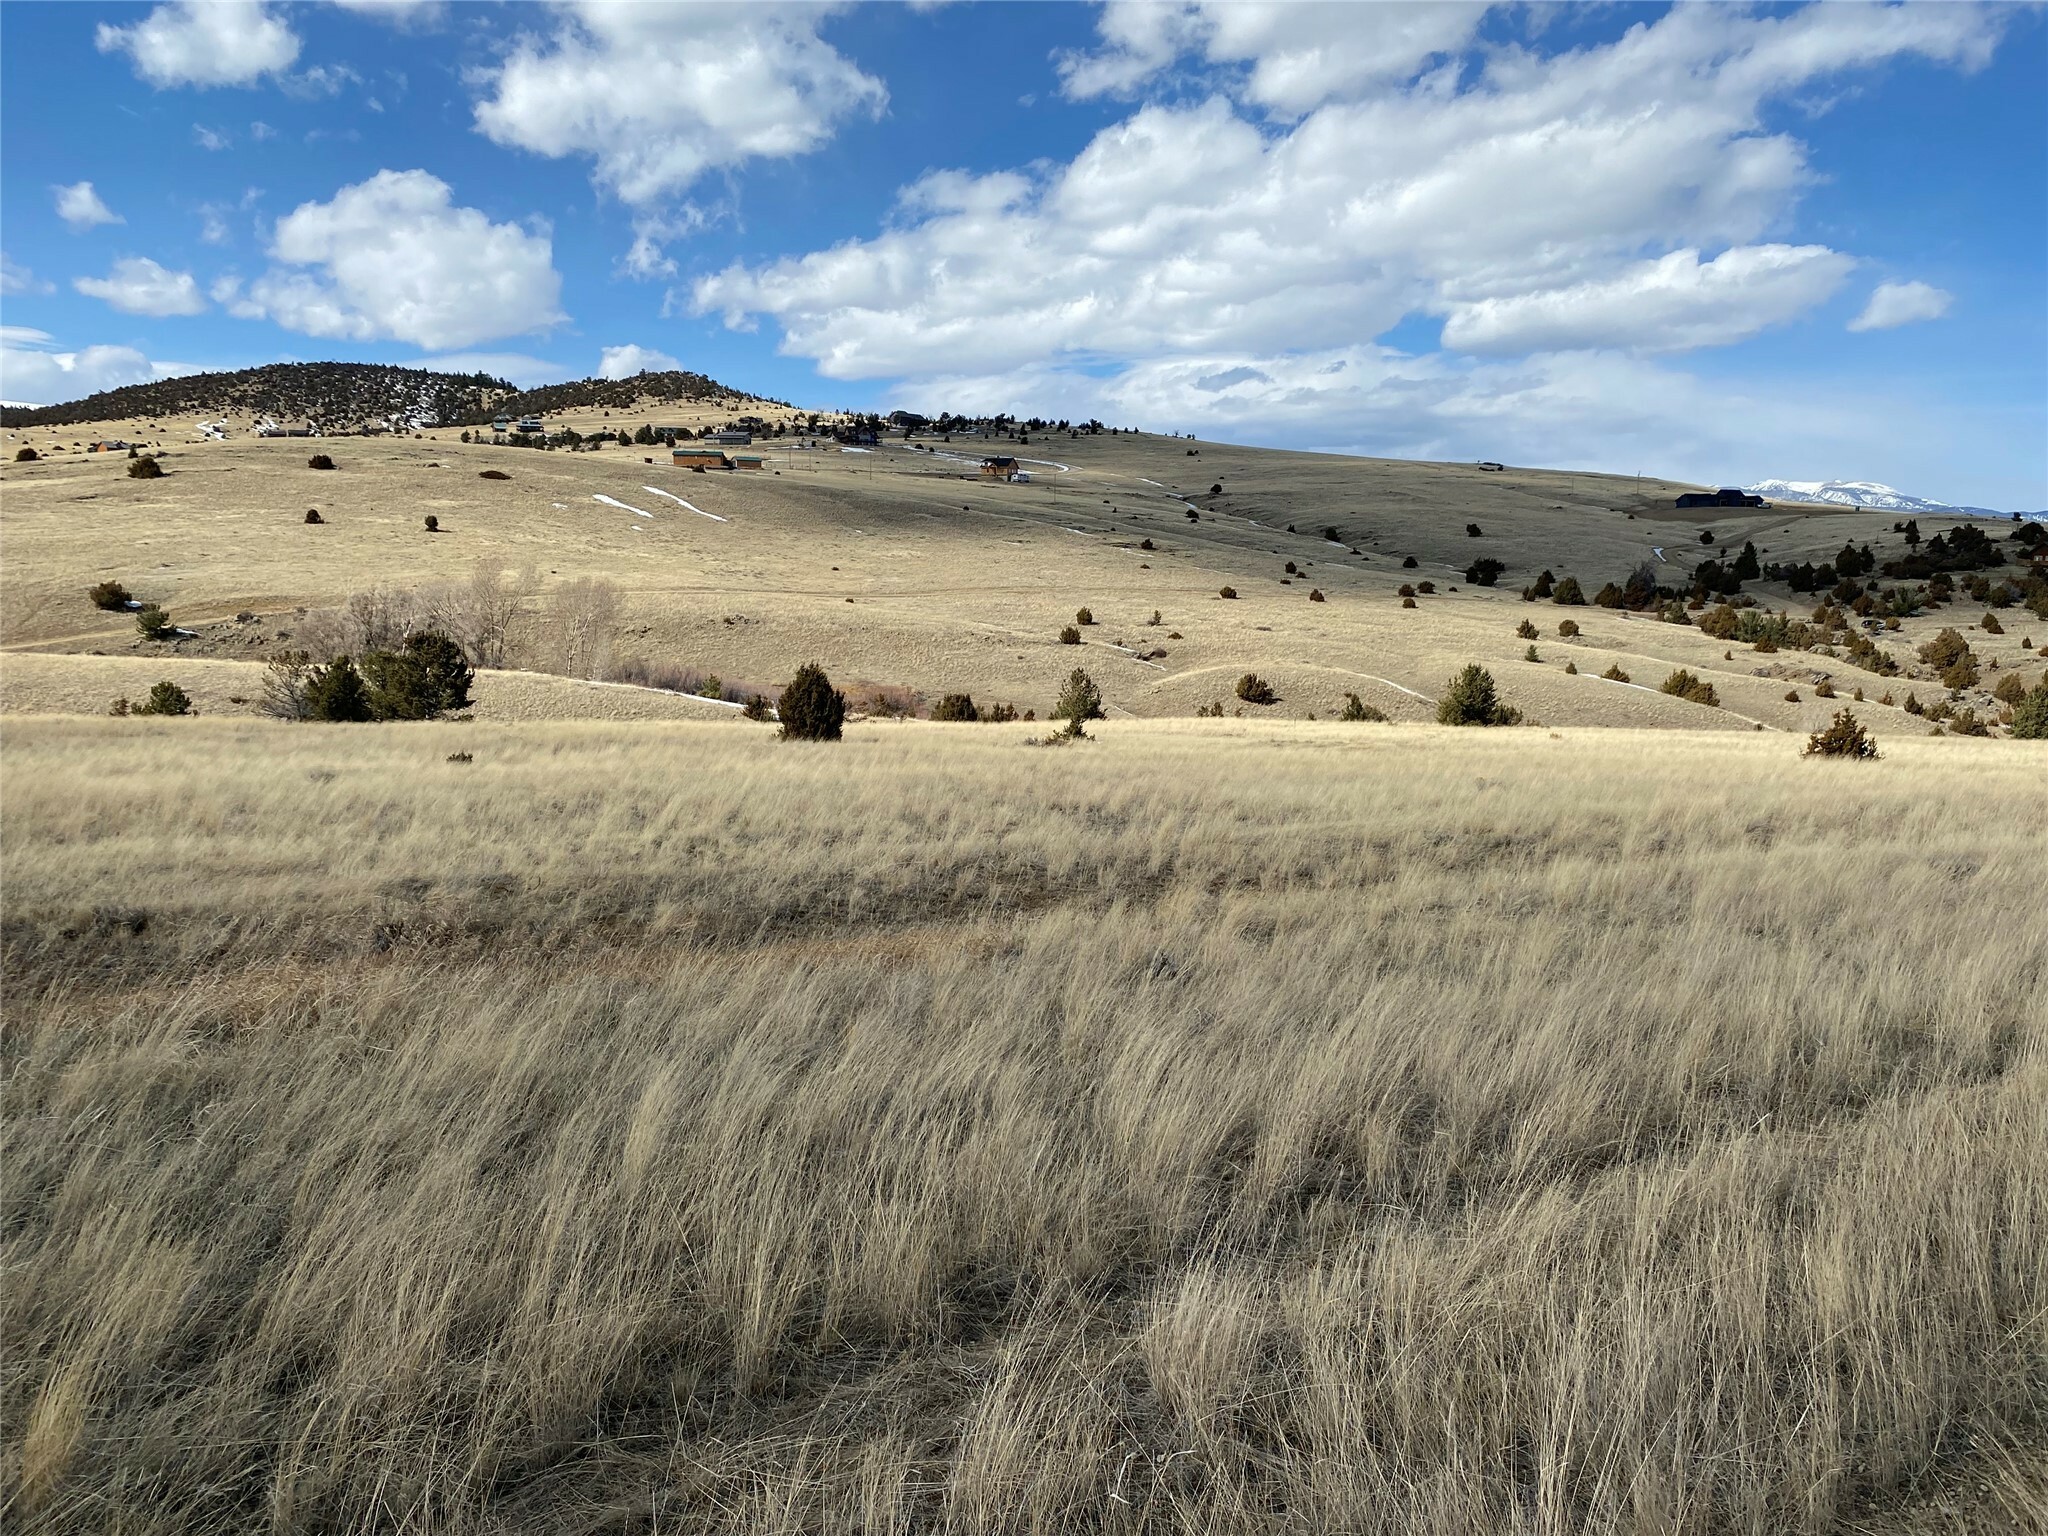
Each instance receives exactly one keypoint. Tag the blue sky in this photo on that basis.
(1721, 243)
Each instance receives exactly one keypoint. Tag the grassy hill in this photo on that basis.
(909, 577)
(347, 396)
(337, 395)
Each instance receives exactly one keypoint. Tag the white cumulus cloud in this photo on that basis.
(624, 362)
(1672, 304)
(33, 371)
(139, 286)
(1893, 304)
(15, 278)
(81, 207)
(393, 257)
(659, 93)
(1557, 202)
(1296, 55)
(205, 42)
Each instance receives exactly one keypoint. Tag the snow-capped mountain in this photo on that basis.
(1848, 493)
(1868, 493)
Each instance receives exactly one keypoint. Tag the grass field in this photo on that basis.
(1223, 1126)
(898, 567)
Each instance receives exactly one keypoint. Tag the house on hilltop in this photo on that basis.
(1000, 467)
(1727, 496)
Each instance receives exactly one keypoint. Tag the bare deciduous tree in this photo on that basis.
(583, 621)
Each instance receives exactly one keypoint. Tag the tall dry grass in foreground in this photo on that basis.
(1377, 1130)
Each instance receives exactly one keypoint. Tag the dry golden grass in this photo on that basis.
(889, 568)
(1209, 1128)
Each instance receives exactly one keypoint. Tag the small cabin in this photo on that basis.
(501, 423)
(698, 458)
(999, 468)
(746, 461)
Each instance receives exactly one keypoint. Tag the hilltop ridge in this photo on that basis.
(345, 397)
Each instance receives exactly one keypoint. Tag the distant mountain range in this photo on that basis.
(349, 396)
(1869, 493)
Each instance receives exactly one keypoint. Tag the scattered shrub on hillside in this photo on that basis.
(1227, 592)
(1426, 588)
(1545, 584)
(425, 677)
(2011, 689)
(1571, 669)
(109, 595)
(1472, 531)
(1410, 563)
(1569, 629)
(1525, 630)
(811, 709)
(1084, 618)
(1944, 650)
(320, 461)
(1681, 684)
(1614, 674)
(1254, 689)
(1469, 699)
(492, 474)
(1291, 569)
(433, 523)
(1193, 515)
(1960, 673)
(153, 622)
(2030, 716)
(1484, 573)
(999, 714)
(1531, 655)
(1080, 701)
(1216, 489)
(1316, 595)
(1791, 695)
(1405, 590)
(756, 706)
(166, 698)
(337, 694)
(1824, 689)
(1209, 711)
(145, 468)
(313, 516)
(1609, 596)
(1356, 708)
(26, 456)
(1913, 706)
(1990, 625)
(1568, 593)
(120, 708)
(956, 708)
(1070, 635)
(1144, 543)
(1407, 602)
(1155, 620)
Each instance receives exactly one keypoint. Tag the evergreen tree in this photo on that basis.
(336, 693)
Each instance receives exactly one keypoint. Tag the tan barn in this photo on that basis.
(1001, 468)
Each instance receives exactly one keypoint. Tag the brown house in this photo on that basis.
(999, 469)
